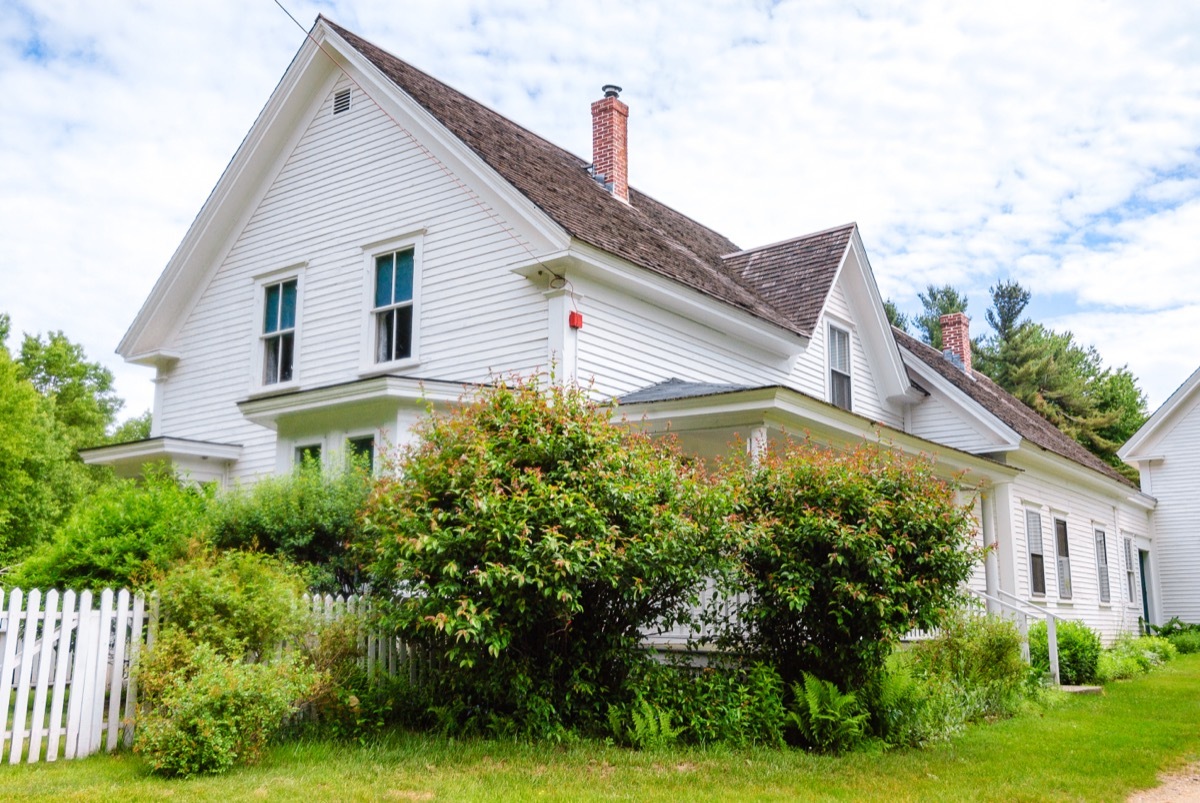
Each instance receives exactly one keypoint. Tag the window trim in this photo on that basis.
(414, 241)
(353, 437)
(299, 449)
(262, 282)
(1041, 553)
(1131, 581)
(1103, 576)
(1062, 555)
(830, 328)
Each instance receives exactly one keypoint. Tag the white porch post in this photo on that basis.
(991, 565)
(756, 444)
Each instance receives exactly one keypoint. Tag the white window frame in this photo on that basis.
(361, 436)
(299, 448)
(1131, 582)
(830, 328)
(1103, 578)
(258, 383)
(1062, 555)
(1040, 553)
(412, 241)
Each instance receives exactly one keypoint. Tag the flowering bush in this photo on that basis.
(842, 554)
(530, 541)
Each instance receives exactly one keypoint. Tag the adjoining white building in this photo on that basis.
(380, 241)
(1166, 451)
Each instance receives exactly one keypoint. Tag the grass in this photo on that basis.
(1093, 748)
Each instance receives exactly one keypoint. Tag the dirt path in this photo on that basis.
(1183, 785)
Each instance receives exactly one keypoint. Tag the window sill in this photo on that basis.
(382, 368)
(264, 391)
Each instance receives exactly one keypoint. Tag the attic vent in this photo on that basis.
(341, 101)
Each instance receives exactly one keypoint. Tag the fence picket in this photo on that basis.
(50, 629)
(99, 668)
(33, 610)
(117, 669)
(77, 709)
(8, 660)
(70, 620)
(135, 641)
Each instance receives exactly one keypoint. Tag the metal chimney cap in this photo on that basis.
(611, 90)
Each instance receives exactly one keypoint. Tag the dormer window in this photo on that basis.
(839, 367)
(279, 332)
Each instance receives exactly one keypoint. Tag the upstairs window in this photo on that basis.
(392, 312)
(839, 367)
(1037, 557)
(1102, 566)
(279, 332)
(1064, 559)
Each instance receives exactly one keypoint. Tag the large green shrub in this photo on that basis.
(843, 553)
(207, 711)
(123, 535)
(219, 683)
(1078, 651)
(981, 656)
(530, 541)
(240, 603)
(310, 517)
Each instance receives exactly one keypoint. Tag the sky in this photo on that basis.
(1055, 144)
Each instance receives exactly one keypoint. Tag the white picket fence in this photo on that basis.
(66, 686)
(65, 689)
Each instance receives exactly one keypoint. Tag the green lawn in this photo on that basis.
(1094, 748)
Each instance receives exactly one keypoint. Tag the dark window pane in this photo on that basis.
(271, 311)
(308, 454)
(285, 357)
(385, 324)
(288, 313)
(271, 361)
(1037, 574)
(841, 390)
(364, 449)
(404, 277)
(403, 341)
(383, 281)
(1060, 530)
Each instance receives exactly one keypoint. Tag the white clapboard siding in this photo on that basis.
(352, 180)
(70, 658)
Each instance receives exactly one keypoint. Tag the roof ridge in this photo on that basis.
(647, 233)
(851, 225)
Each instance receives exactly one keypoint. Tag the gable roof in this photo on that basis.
(791, 273)
(1008, 408)
(645, 232)
(1158, 424)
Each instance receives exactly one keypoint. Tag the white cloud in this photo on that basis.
(1052, 142)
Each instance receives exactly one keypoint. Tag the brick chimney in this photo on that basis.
(956, 339)
(610, 153)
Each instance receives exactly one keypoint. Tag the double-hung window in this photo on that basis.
(1037, 557)
(1102, 565)
(1064, 559)
(1130, 580)
(392, 312)
(839, 367)
(279, 332)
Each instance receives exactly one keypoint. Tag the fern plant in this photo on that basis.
(828, 719)
(650, 726)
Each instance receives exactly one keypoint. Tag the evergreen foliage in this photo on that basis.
(937, 301)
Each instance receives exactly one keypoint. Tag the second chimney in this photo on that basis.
(610, 153)
(956, 339)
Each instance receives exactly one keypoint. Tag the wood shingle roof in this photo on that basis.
(645, 232)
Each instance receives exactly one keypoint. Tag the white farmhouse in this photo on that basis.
(1166, 451)
(381, 241)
